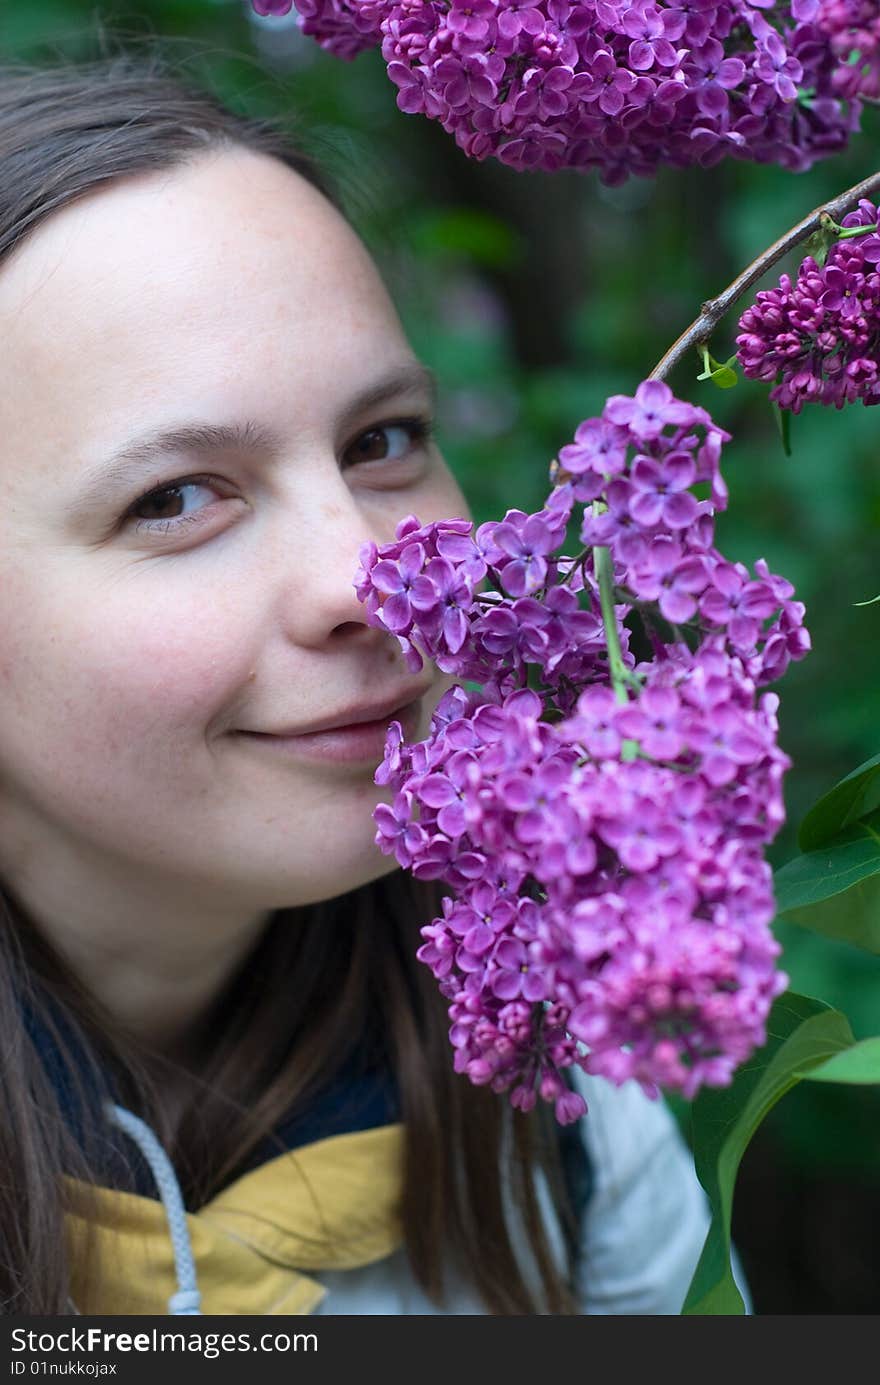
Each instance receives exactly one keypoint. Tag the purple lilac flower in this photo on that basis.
(644, 947)
(610, 904)
(619, 87)
(427, 580)
(527, 546)
(853, 28)
(818, 337)
(661, 537)
(344, 28)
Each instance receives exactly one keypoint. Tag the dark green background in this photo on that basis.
(534, 297)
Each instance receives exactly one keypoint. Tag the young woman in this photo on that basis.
(226, 1081)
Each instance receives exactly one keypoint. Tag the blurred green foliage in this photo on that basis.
(535, 297)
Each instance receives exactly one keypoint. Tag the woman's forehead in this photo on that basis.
(235, 216)
(188, 281)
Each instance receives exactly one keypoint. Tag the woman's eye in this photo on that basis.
(163, 509)
(388, 442)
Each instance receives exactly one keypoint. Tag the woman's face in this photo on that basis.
(139, 638)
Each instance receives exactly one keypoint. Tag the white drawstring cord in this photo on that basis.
(187, 1299)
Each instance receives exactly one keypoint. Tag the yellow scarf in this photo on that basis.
(333, 1204)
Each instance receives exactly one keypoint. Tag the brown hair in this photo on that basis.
(65, 128)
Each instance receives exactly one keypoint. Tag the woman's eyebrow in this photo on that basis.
(197, 437)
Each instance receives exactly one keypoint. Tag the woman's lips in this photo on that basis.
(360, 743)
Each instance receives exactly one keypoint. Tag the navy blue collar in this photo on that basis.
(359, 1097)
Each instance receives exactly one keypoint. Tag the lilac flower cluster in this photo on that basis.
(853, 31)
(342, 28)
(600, 821)
(623, 86)
(819, 337)
(635, 468)
(423, 589)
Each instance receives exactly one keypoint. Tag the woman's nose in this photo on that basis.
(317, 597)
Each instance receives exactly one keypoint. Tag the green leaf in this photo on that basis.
(818, 246)
(821, 241)
(725, 377)
(846, 802)
(835, 890)
(859, 1065)
(722, 375)
(852, 917)
(801, 1034)
(872, 602)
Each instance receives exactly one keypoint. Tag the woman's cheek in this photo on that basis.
(443, 497)
(148, 676)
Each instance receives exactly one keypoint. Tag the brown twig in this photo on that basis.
(715, 309)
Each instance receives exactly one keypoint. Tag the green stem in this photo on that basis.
(620, 675)
(847, 232)
(604, 575)
(602, 568)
